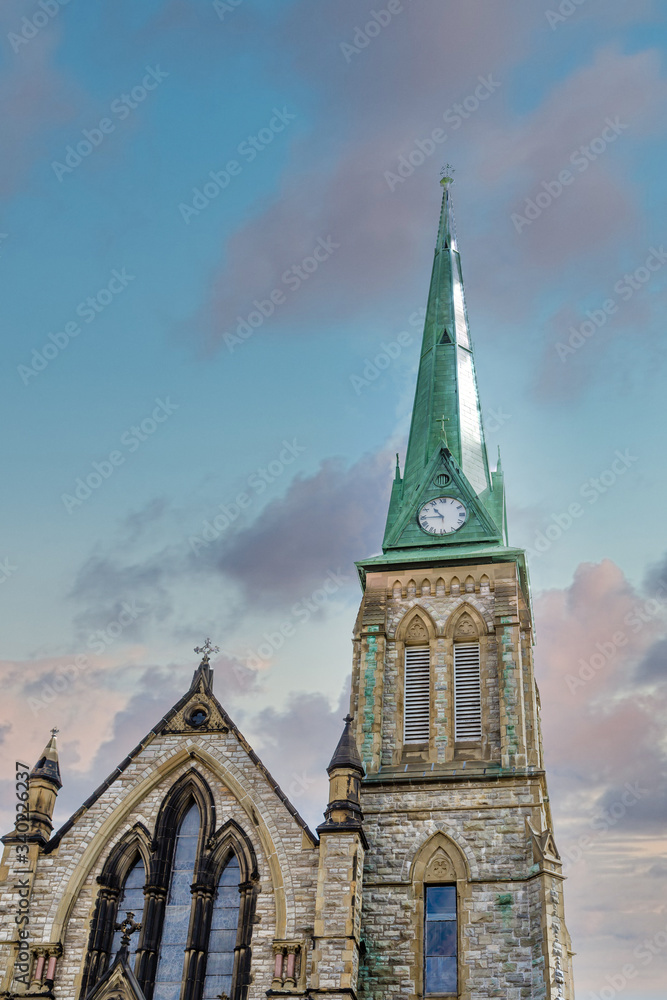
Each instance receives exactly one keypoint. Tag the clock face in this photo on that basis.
(442, 516)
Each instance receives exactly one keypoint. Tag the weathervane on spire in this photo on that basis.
(206, 650)
(447, 174)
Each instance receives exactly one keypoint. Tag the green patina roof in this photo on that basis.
(446, 453)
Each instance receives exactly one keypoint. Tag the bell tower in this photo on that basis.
(462, 880)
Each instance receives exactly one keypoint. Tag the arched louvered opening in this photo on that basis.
(131, 900)
(223, 933)
(169, 972)
(467, 692)
(417, 694)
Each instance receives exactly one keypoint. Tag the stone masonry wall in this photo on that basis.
(499, 913)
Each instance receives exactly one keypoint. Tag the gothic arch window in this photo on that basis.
(121, 885)
(176, 923)
(198, 899)
(441, 886)
(224, 930)
(131, 900)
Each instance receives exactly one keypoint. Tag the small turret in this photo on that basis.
(343, 844)
(43, 787)
(345, 773)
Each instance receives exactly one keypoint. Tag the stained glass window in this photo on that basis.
(169, 971)
(222, 940)
(440, 940)
(131, 900)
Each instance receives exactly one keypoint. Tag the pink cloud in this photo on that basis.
(603, 729)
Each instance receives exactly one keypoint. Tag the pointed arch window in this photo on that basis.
(131, 900)
(194, 892)
(224, 931)
(169, 973)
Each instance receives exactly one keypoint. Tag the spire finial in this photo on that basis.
(206, 650)
(55, 731)
(447, 174)
(397, 477)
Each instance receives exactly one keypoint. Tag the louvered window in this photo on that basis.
(467, 692)
(417, 694)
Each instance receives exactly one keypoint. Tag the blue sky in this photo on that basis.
(305, 119)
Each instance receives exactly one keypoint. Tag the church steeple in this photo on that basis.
(446, 454)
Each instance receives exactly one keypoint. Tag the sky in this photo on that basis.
(215, 218)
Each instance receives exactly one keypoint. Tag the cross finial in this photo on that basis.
(128, 927)
(206, 650)
(54, 731)
(447, 175)
(348, 718)
(441, 421)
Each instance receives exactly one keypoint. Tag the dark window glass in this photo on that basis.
(440, 940)
(131, 900)
(224, 925)
(177, 912)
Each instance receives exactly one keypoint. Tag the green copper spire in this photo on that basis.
(446, 453)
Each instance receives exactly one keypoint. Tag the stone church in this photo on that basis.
(189, 875)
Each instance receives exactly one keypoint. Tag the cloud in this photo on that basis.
(603, 725)
(36, 97)
(592, 635)
(400, 86)
(322, 523)
(296, 745)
